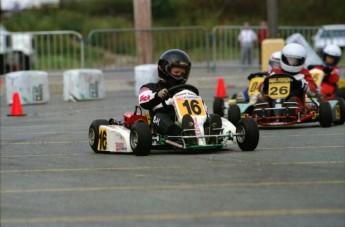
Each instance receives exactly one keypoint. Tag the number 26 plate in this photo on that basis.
(278, 88)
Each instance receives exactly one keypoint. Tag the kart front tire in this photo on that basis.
(218, 106)
(94, 133)
(140, 138)
(234, 114)
(325, 114)
(249, 138)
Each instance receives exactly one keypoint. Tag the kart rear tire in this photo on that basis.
(94, 133)
(218, 106)
(325, 114)
(341, 93)
(249, 139)
(140, 138)
(341, 105)
(234, 114)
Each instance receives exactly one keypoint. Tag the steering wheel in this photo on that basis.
(175, 89)
(277, 75)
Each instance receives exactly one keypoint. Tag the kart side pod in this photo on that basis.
(130, 117)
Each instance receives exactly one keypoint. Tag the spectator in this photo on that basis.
(262, 35)
(247, 38)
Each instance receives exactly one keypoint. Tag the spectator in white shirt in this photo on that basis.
(247, 38)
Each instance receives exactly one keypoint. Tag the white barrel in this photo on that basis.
(83, 84)
(144, 74)
(31, 85)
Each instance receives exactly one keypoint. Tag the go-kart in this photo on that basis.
(136, 134)
(238, 106)
(282, 111)
(318, 76)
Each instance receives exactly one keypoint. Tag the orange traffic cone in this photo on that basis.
(16, 110)
(221, 91)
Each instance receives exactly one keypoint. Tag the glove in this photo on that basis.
(250, 76)
(304, 85)
(310, 67)
(311, 94)
(315, 94)
(327, 70)
(163, 94)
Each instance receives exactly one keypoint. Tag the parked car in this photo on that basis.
(16, 51)
(329, 34)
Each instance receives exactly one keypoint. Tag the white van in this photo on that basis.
(329, 34)
(16, 51)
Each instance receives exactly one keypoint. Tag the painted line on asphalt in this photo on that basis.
(46, 133)
(41, 126)
(307, 163)
(174, 167)
(171, 187)
(304, 135)
(43, 142)
(175, 216)
(305, 147)
(41, 155)
(258, 149)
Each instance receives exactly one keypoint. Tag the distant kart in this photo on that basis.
(318, 75)
(135, 134)
(282, 111)
(238, 106)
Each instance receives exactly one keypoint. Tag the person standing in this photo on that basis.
(262, 35)
(247, 39)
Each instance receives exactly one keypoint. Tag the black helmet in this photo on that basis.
(174, 58)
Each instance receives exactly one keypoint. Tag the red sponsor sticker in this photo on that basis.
(119, 146)
(144, 98)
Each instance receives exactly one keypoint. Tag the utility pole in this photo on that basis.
(272, 18)
(143, 22)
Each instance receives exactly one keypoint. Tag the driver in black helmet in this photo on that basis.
(173, 69)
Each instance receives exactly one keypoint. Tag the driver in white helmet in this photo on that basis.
(331, 57)
(173, 69)
(292, 61)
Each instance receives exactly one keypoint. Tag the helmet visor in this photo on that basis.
(274, 64)
(293, 61)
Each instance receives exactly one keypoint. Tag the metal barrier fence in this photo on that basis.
(50, 50)
(226, 47)
(116, 48)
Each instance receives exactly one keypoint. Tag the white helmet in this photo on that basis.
(333, 51)
(274, 61)
(293, 58)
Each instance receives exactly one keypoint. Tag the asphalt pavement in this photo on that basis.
(51, 177)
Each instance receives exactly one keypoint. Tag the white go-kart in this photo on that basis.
(135, 133)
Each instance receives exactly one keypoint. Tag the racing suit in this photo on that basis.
(161, 111)
(330, 80)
